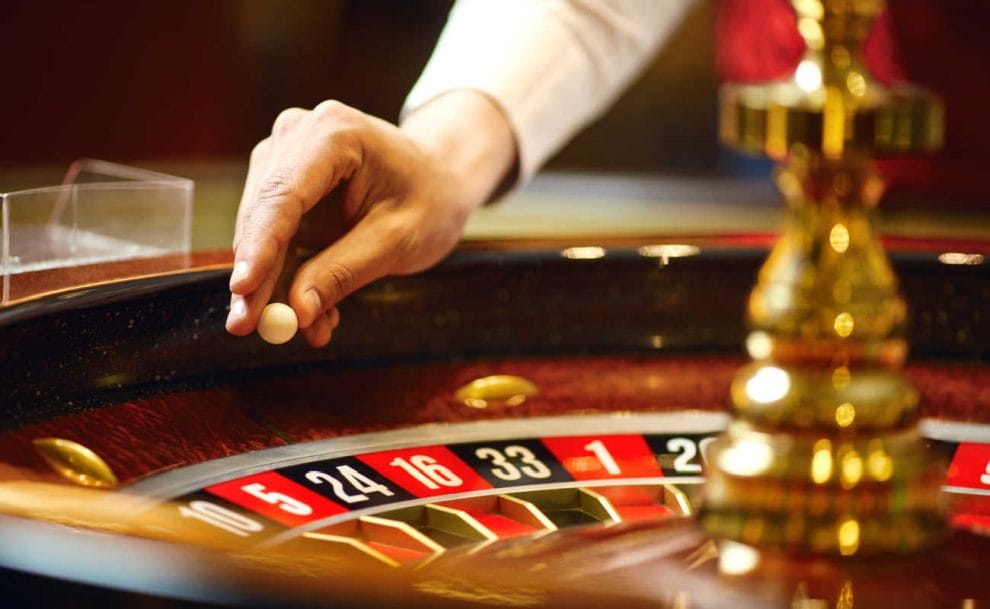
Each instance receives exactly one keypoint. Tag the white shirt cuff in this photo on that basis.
(551, 65)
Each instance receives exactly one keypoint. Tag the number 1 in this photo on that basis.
(602, 454)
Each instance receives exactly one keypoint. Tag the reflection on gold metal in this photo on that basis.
(68, 505)
(821, 462)
(851, 468)
(747, 458)
(737, 559)
(811, 31)
(447, 526)
(960, 258)
(391, 542)
(571, 506)
(825, 421)
(525, 512)
(759, 345)
(583, 253)
(768, 385)
(665, 251)
(358, 546)
(669, 250)
(396, 533)
(95, 509)
(838, 238)
(808, 76)
(856, 84)
(821, 398)
(844, 324)
(506, 507)
(499, 389)
(113, 381)
(75, 462)
(848, 537)
(702, 555)
(845, 414)
(845, 599)
(841, 377)
(880, 465)
(508, 594)
(677, 500)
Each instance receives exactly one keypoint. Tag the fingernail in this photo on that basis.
(237, 309)
(239, 273)
(313, 302)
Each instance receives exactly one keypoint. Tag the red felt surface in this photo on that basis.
(151, 435)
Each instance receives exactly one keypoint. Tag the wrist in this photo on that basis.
(469, 137)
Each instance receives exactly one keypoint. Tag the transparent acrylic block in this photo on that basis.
(102, 212)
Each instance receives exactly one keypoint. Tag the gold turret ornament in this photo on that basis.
(824, 454)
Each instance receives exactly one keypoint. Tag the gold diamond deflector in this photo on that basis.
(824, 455)
(496, 390)
(75, 462)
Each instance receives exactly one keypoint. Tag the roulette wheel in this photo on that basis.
(533, 424)
(548, 399)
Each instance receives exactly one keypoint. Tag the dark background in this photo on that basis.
(187, 80)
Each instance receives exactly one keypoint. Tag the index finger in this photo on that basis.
(306, 162)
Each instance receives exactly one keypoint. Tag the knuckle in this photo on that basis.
(338, 280)
(332, 110)
(400, 236)
(274, 188)
(278, 200)
(287, 119)
(260, 150)
(263, 244)
(338, 121)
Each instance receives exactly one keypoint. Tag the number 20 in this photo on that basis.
(686, 451)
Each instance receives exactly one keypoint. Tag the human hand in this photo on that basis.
(401, 199)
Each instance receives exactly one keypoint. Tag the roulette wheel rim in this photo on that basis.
(627, 259)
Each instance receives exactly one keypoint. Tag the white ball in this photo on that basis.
(278, 323)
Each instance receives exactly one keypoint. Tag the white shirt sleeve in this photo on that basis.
(551, 65)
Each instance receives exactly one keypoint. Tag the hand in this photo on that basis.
(401, 199)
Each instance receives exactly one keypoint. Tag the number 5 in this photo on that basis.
(283, 501)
